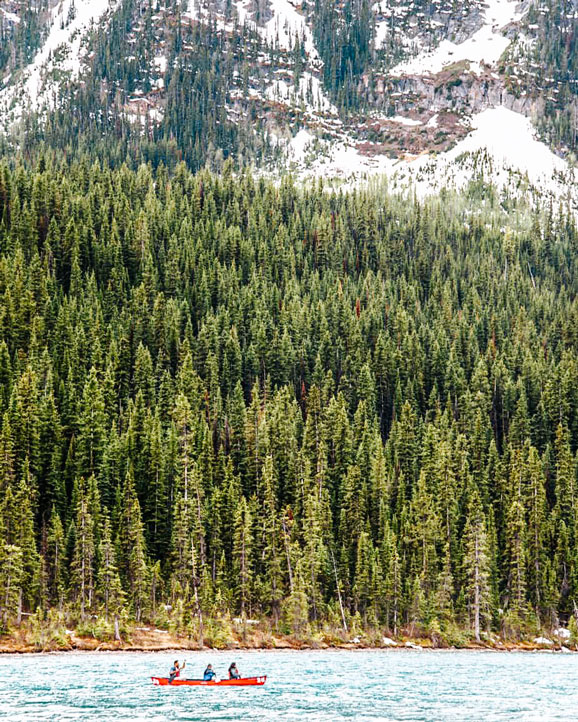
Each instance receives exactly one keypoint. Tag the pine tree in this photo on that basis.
(183, 421)
(565, 478)
(7, 470)
(55, 561)
(109, 589)
(131, 549)
(393, 581)
(84, 557)
(317, 526)
(424, 531)
(270, 533)
(477, 562)
(11, 580)
(24, 414)
(363, 586)
(243, 561)
(189, 573)
(91, 425)
(17, 530)
(537, 530)
(515, 535)
(296, 608)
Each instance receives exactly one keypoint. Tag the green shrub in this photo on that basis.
(97, 628)
(48, 631)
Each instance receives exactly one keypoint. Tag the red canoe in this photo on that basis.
(243, 682)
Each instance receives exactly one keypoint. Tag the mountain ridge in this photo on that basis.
(281, 88)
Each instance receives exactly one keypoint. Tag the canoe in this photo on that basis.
(243, 682)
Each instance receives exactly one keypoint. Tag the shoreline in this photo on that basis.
(148, 641)
(400, 649)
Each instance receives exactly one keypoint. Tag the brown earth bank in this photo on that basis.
(139, 639)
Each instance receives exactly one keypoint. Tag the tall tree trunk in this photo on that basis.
(477, 593)
(196, 595)
(19, 616)
(339, 593)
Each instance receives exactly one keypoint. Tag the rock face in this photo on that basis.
(543, 641)
(432, 66)
(456, 90)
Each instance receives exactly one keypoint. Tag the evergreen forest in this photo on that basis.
(332, 413)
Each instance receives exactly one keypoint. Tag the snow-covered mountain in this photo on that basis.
(429, 94)
(60, 57)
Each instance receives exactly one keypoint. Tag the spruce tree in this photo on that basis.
(131, 549)
(477, 562)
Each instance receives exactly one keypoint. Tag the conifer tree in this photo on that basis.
(477, 562)
(91, 425)
(537, 530)
(55, 561)
(84, 556)
(131, 549)
(515, 535)
(393, 580)
(110, 592)
(11, 580)
(270, 533)
(266, 394)
(296, 609)
(243, 552)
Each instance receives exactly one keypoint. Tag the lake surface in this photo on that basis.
(304, 686)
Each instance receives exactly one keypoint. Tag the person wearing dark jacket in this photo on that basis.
(209, 674)
(234, 672)
(176, 670)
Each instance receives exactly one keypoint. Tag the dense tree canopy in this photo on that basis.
(235, 397)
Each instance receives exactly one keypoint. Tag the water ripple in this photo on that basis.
(316, 686)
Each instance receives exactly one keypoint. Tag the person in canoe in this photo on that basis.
(209, 674)
(234, 672)
(176, 670)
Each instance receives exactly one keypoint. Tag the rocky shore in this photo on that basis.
(142, 639)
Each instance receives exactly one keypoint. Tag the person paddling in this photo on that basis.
(234, 672)
(209, 674)
(176, 670)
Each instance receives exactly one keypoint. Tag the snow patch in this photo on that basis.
(286, 25)
(11, 17)
(309, 93)
(381, 32)
(501, 148)
(486, 46)
(299, 144)
(405, 121)
(242, 11)
(161, 63)
(510, 139)
(69, 23)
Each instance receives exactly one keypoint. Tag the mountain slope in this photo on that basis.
(350, 88)
(58, 59)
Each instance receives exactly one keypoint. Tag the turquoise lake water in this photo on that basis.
(316, 685)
